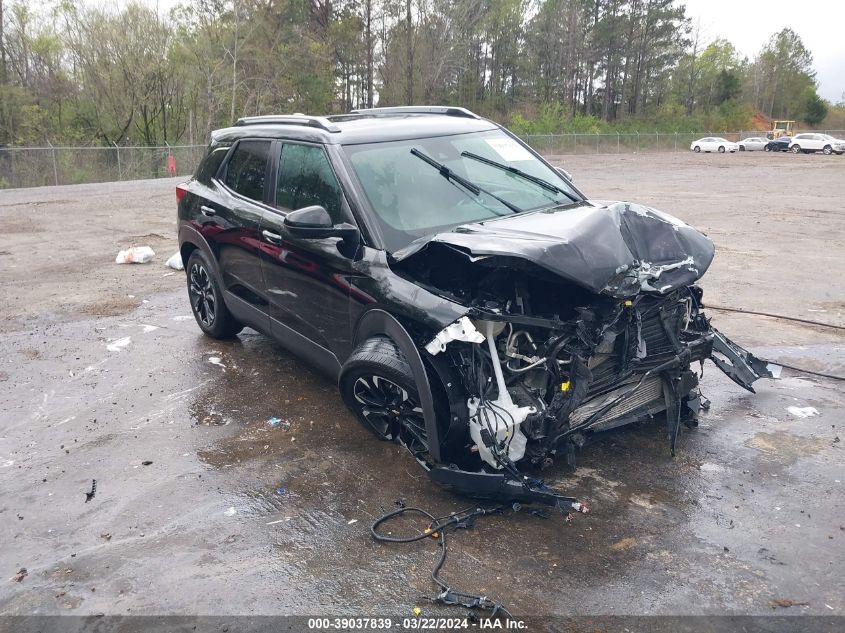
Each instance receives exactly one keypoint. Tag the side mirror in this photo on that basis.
(314, 223)
(567, 176)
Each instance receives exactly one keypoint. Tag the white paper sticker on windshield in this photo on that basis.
(509, 149)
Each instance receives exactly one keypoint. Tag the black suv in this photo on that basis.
(471, 302)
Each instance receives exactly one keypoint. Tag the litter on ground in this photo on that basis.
(803, 412)
(175, 262)
(135, 255)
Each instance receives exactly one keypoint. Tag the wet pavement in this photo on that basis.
(203, 507)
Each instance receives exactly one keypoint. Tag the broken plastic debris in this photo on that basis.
(351, 521)
(135, 255)
(90, 495)
(275, 422)
(175, 262)
(216, 360)
(774, 370)
(803, 412)
(118, 344)
(280, 490)
(231, 512)
(460, 330)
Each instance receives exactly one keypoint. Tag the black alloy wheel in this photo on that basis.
(203, 297)
(206, 299)
(386, 407)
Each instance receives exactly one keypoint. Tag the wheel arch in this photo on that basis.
(191, 240)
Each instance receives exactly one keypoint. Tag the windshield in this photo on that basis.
(412, 199)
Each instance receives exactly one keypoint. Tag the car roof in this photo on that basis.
(363, 126)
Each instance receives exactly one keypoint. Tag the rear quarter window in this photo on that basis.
(210, 165)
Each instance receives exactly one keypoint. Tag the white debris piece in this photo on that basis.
(803, 412)
(175, 261)
(216, 360)
(231, 512)
(135, 255)
(460, 330)
(118, 344)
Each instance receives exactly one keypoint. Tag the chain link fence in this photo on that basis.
(39, 166)
(642, 142)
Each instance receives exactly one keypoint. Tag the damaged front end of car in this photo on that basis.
(577, 321)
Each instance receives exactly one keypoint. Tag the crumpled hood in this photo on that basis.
(613, 248)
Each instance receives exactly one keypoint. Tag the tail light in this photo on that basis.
(181, 190)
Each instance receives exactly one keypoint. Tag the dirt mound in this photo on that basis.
(761, 122)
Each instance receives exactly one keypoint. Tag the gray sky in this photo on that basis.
(748, 24)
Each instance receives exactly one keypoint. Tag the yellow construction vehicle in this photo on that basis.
(782, 128)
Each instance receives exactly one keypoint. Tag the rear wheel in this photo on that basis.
(211, 313)
(796, 149)
(767, 148)
(721, 149)
(828, 150)
(378, 386)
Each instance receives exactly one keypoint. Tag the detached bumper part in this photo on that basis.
(739, 364)
(503, 488)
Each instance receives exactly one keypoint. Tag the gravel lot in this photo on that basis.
(233, 516)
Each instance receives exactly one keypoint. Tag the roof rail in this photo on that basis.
(445, 110)
(319, 122)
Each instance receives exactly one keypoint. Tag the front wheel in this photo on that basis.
(767, 148)
(697, 149)
(828, 150)
(721, 149)
(378, 386)
(742, 148)
(796, 149)
(211, 313)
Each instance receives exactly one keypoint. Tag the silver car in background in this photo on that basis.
(753, 144)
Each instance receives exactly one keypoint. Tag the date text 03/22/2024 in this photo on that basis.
(416, 623)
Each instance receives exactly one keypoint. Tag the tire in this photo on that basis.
(828, 150)
(721, 149)
(742, 148)
(697, 149)
(767, 149)
(206, 299)
(795, 149)
(378, 386)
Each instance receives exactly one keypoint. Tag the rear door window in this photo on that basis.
(306, 178)
(247, 169)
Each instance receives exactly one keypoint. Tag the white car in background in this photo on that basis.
(752, 144)
(713, 144)
(816, 143)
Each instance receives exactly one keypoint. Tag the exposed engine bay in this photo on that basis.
(543, 362)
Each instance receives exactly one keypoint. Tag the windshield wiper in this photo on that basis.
(451, 176)
(518, 172)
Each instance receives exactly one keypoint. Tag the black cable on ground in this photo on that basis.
(802, 370)
(437, 529)
(785, 318)
(774, 316)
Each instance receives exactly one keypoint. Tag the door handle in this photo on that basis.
(273, 238)
(207, 211)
